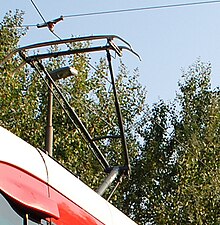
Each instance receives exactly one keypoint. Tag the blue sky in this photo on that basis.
(166, 39)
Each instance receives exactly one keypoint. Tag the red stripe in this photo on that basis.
(33, 194)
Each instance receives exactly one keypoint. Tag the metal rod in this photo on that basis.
(68, 52)
(61, 105)
(73, 40)
(77, 121)
(70, 40)
(119, 115)
(78, 51)
(49, 128)
(116, 186)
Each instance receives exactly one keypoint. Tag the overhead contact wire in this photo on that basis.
(142, 9)
(127, 10)
(41, 15)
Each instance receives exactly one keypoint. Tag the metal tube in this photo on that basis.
(76, 120)
(116, 186)
(119, 115)
(73, 40)
(70, 40)
(49, 129)
(68, 52)
(108, 180)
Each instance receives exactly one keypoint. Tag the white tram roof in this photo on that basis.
(15, 151)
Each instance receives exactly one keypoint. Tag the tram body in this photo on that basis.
(35, 189)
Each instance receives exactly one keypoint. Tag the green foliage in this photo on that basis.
(199, 151)
(176, 175)
(154, 170)
(11, 95)
(174, 148)
(90, 95)
(10, 32)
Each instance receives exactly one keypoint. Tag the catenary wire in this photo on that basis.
(58, 37)
(142, 8)
(126, 10)
(41, 15)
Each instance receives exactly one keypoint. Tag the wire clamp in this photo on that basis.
(50, 24)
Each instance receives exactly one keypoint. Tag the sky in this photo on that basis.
(168, 40)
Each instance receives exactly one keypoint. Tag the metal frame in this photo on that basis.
(34, 60)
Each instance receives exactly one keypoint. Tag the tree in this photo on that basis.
(199, 148)
(174, 147)
(176, 179)
(153, 179)
(11, 101)
(91, 96)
